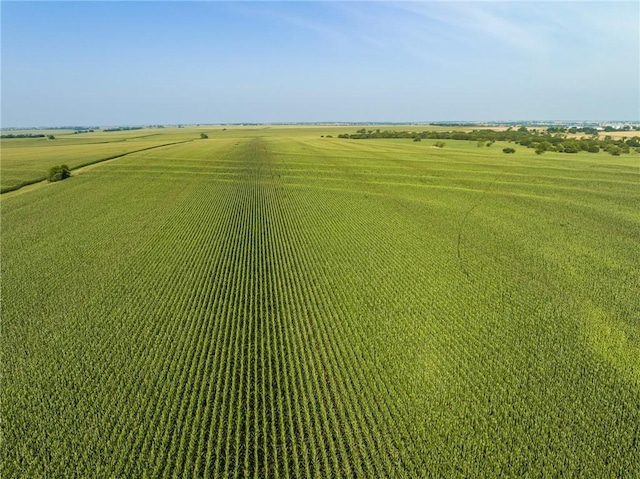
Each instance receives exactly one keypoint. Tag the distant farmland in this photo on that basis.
(273, 302)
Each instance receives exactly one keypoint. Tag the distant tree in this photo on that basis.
(51, 137)
(417, 138)
(545, 146)
(204, 136)
(509, 150)
(571, 147)
(439, 144)
(614, 150)
(57, 173)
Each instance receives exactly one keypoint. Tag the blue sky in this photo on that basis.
(130, 63)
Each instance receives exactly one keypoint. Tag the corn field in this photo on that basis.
(280, 305)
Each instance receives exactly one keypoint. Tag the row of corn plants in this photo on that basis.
(295, 307)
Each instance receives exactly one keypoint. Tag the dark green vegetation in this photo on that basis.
(268, 303)
(552, 139)
(57, 173)
(123, 128)
(9, 136)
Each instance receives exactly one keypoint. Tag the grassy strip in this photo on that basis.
(22, 184)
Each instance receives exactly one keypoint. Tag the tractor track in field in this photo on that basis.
(465, 220)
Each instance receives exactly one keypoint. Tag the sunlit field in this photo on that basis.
(280, 302)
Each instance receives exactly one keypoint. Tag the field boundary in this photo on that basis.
(42, 180)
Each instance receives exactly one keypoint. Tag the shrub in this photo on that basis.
(204, 136)
(57, 173)
(509, 150)
(614, 150)
(439, 144)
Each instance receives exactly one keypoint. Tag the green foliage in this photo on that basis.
(204, 136)
(122, 128)
(551, 140)
(439, 144)
(614, 150)
(508, 150)
(633, 142)
(58, 173)
(21, 135)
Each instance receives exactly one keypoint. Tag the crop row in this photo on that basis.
(264, 320)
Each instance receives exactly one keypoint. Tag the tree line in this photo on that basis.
(123, 128)
(541, 141)
(22, 135)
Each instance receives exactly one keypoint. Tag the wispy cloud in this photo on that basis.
(479, 21)
(406, 60)
(293, 18)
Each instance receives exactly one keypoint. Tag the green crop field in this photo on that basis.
(270, 303)
(25, 160)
